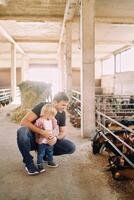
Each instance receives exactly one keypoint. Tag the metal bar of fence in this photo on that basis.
(127, 117)
(120, 110)
(7, 91)
(103, 95)
(132, 164)
(79, 113)
(119, 105)
(76, 99)
(4, 90)
(3, 98)
(74, 91)
(116, 137)
(5, 95)
(125, 127)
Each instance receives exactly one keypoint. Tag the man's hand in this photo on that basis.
(61, 132)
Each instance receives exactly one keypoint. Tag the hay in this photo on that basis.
(32, 93)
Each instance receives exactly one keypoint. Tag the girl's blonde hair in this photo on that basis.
(48, 109)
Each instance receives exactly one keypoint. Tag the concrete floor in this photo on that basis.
(79, 176)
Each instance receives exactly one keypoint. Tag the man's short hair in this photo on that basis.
(61, 96)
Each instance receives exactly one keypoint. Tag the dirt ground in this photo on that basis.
(80, 176)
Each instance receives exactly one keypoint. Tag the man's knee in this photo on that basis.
(26, 138)
(22, 134)
(71, 148)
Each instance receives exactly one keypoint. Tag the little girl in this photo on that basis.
(48, 122)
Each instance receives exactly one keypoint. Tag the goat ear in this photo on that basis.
(109, 124)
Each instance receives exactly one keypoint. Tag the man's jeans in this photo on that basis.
(26, 143)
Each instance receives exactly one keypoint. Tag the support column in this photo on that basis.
(23, 68)
(68, 53)
(13, 71)
(26, 69)
(88, 69)
(114, 78)
(61, 67)
(101, 68)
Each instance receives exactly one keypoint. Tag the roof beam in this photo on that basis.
(115, 52)
(31, 52)
(124, 48)
(10, 39)
(114, 20)
(35, 40)
(32, 18)
(51, 41)
(102, 52)
(45, 59)
(41, 52)
(68, 16)
(113, 42)
(40, 18)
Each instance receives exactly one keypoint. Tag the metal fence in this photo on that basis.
(101, 118)
(111, 109)
(5, 96)
(116, 106)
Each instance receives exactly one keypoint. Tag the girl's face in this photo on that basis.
(48, 116)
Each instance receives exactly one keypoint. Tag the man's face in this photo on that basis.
(61, 106)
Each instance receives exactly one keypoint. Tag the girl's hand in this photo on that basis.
(52, 141)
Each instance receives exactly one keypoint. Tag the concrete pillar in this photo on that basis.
(88, 69)
(114, 81)
(23, 68)
(68, 53)
(13, 71)
(101, 68)
(61, 65)
(26, 68)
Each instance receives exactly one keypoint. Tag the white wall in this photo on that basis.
(98, 69)
(6, 63)
(124, 83)
(107, 83)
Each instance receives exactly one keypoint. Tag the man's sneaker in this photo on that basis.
(32, 169)
(52, 164)
(41, 168)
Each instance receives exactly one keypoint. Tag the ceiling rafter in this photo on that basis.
(10, 39)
